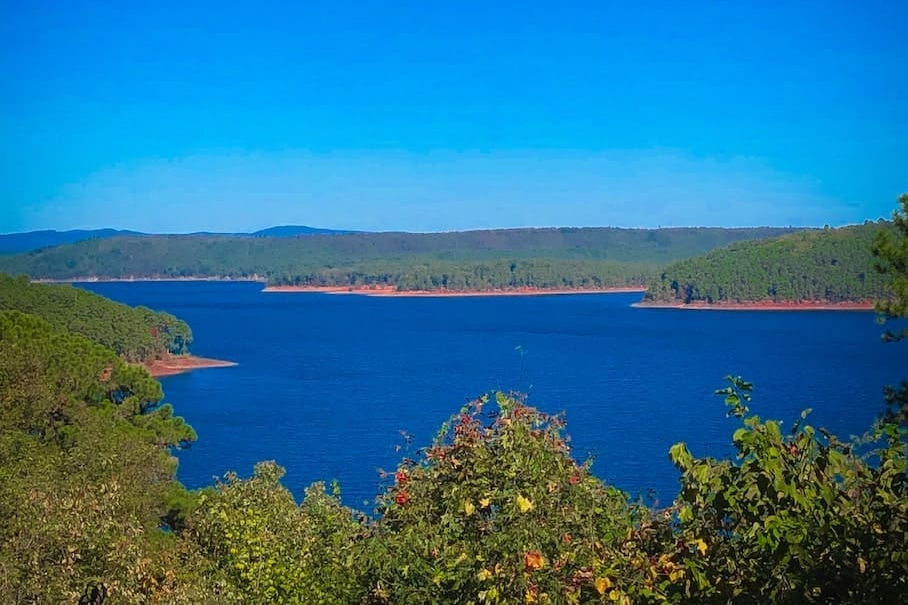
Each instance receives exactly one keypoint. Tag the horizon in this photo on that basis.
(170, 118)
(341, 231)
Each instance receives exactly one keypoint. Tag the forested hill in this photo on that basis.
(833, 265)
(137, 334)
(33, 240)
(562, 257)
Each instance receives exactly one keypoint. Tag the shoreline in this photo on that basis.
(183, 363)
(391, 292)
(101, 280)
(805, 305)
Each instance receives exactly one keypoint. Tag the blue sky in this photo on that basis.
(181, 116)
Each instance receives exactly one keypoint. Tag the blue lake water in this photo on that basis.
(325, 384)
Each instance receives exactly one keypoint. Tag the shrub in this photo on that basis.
(499, 512)
(802, 517)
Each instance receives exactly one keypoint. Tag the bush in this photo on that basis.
(501, 513)
(271, 550)
(802, 517)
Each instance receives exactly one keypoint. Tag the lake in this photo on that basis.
(326, 384)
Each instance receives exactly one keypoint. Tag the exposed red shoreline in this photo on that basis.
(802, 305)
(95, 280)
(391, 291)
(183, 363)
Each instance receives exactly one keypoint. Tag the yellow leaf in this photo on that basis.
(484, 574)
(676, 575)
(602, 584)
(533, 560)
(485, 502)
(614, 595)
(701, 546)
(468, 507)
(523, 504)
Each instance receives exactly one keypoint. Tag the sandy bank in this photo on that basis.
(393, 292)
(130, 279)
(804, 305)
(183, 363)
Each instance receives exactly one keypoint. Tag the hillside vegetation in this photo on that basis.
(831, 265)
(86, 475)
(137, 334)
(496, 259)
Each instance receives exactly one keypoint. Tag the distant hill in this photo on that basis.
(33, 240)
(467, 260)
(296, 230)
(11, 243)
(828, 265)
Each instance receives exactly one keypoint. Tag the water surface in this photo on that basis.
(327, 383)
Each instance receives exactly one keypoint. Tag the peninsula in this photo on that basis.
(824, 269)
(178, 364)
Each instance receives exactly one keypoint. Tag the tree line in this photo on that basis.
(406, 260)
(832, 265)
(137, 334)
(418, 274)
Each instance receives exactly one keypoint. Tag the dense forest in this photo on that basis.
(831, 265)
(495, 259)
(136, 334)
(495, 510)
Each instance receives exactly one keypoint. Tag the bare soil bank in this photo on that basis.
(390, 291)
(802, 305)
(183, 363)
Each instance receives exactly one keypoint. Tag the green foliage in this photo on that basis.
(85, 471)
(501, 513)
(410, 274)
(498, 512)
(799, 517)
(830, 265)
(507, 258)
(272, 550)
(891, 253)
(135, 333)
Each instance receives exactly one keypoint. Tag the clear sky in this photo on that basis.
(169, 116)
